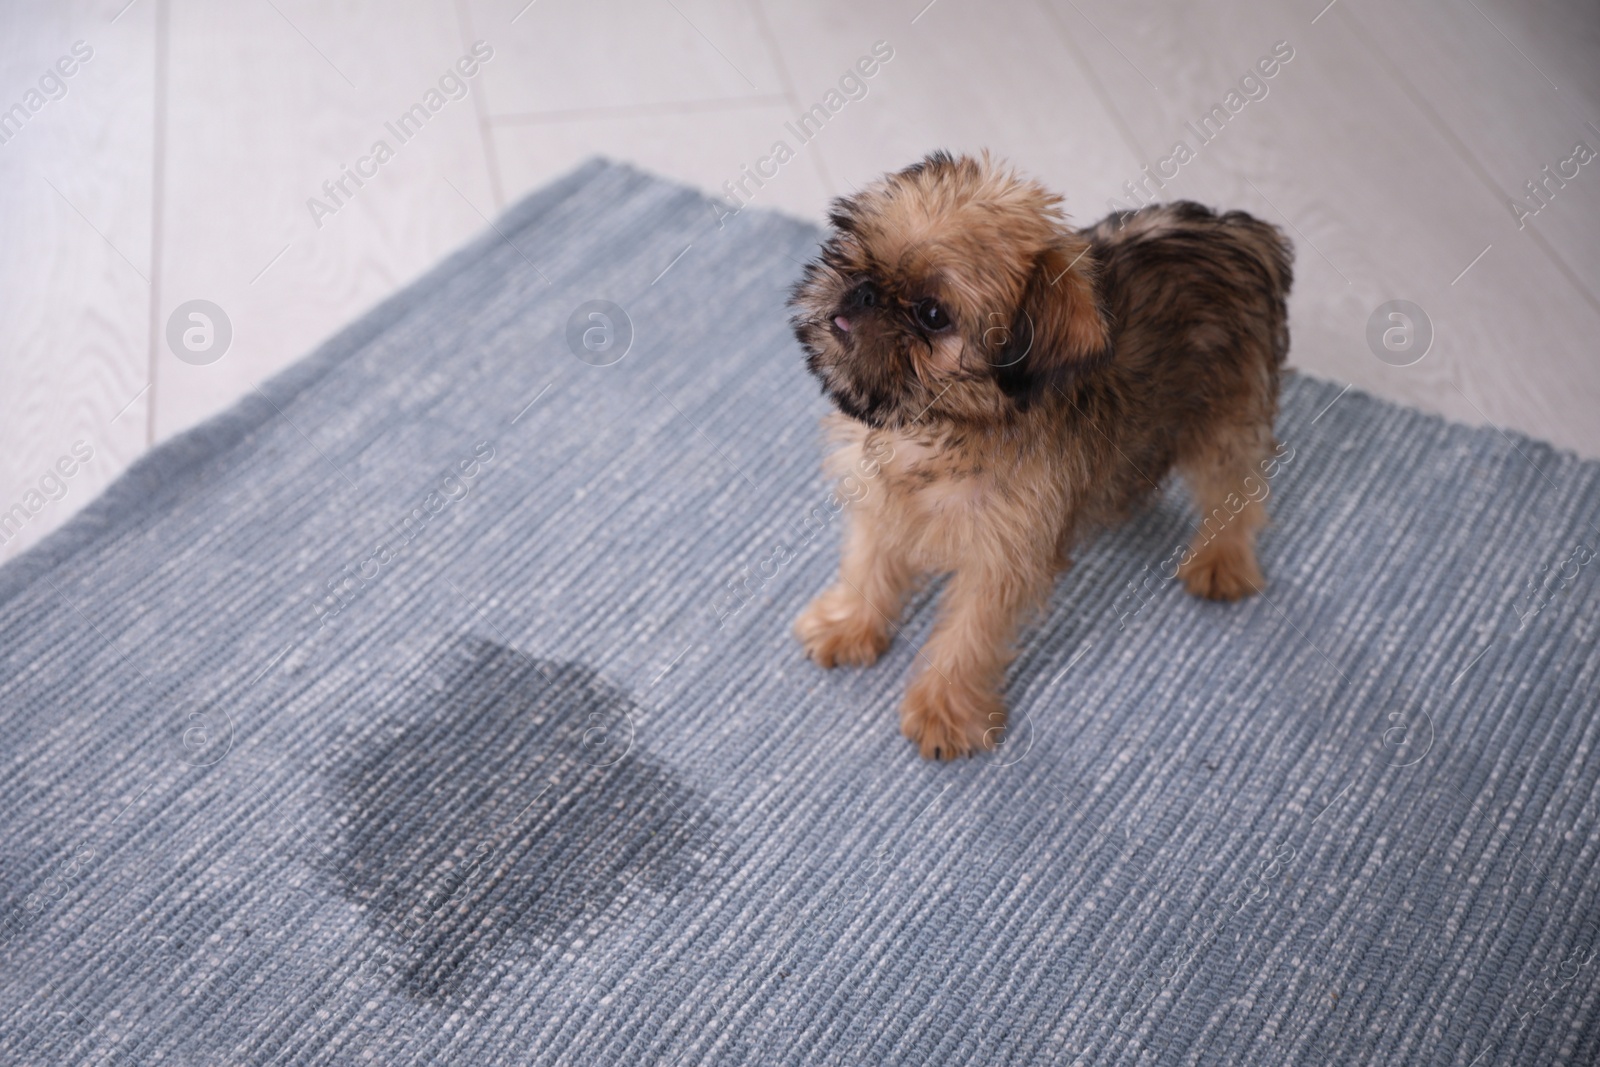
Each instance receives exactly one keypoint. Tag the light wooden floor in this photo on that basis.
(179, 161)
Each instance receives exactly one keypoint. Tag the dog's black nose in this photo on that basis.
(864, 295)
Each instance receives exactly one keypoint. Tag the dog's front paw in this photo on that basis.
(1222, 570)
(947, 720)
(840, 627)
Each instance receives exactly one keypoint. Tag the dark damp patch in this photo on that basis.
(504, 812)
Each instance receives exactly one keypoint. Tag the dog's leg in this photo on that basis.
(954, 705)
(1229, 491)
(852, 620)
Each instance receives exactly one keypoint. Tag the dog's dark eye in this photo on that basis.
(930, 315)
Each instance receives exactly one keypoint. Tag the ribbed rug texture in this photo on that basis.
(438, 705)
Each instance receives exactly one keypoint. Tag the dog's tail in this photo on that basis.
(1270, 247)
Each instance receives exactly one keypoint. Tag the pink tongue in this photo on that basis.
(842, 322)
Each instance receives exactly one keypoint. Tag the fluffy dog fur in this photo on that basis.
(1017, 383)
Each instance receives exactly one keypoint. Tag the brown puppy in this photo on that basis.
(1017, 383)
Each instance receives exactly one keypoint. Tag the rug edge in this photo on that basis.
(134, 490)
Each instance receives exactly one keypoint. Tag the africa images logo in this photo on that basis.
(52, 485)
(355, 577)
(452, 86)
(52, 87)
(852, 85)
(199, 332)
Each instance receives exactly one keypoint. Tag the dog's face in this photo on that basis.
(948, 291)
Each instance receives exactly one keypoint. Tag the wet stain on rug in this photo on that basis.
(504, 812)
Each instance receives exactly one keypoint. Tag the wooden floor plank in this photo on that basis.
(1513, 125)
(587, 54)
(704, 148)
(960, 79)
(74, 209)
(267, 104)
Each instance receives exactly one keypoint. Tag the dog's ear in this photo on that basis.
(1059, 328)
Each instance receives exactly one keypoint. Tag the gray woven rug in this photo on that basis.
(438, 705)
